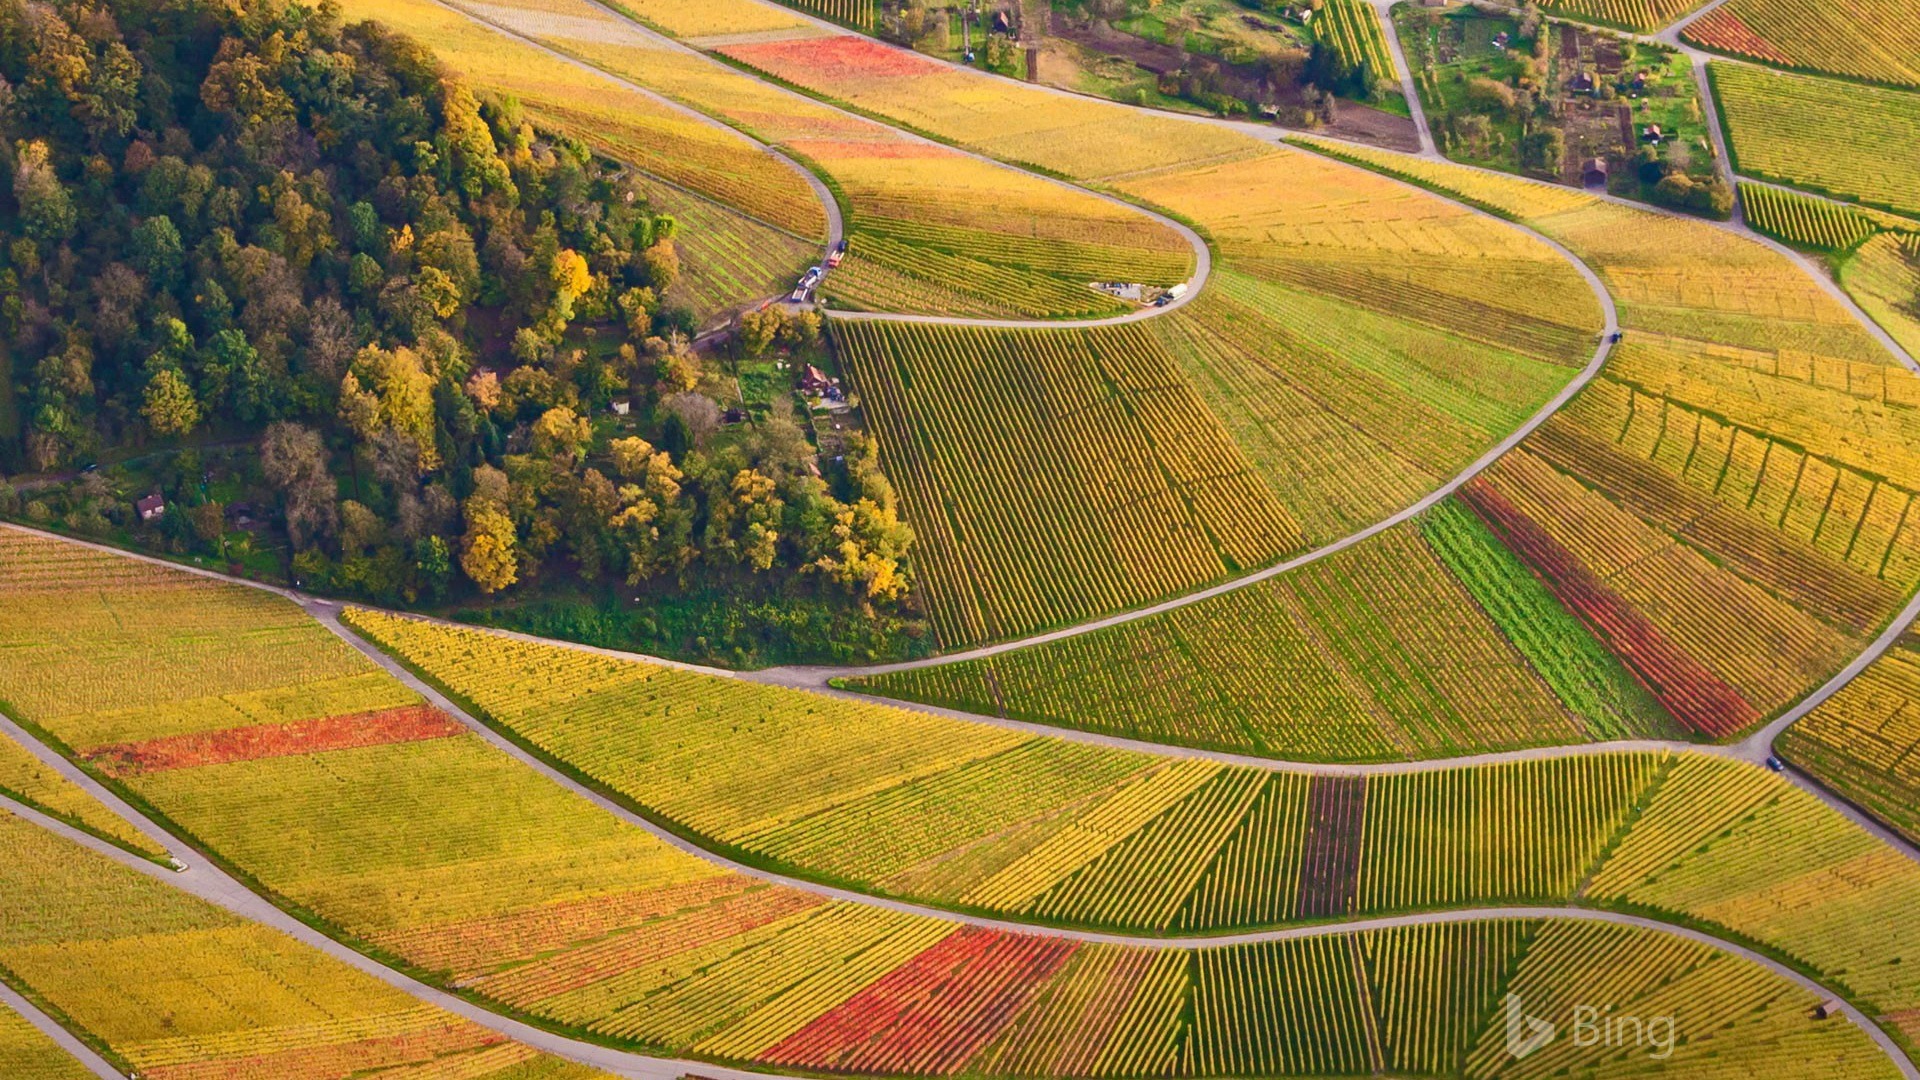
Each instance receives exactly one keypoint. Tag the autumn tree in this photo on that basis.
(170, 407)
(487, 551)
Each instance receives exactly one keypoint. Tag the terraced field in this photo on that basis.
(1362, 341)
(1376, 653)
(1710, 528)
(1645, 16)
(179, 990)
(1353, 28)
(932, 231)
(1726, 546)
(1822, 134)
(978, 818)
(1804, 220)
(753, 222)
(1875, 40)
(1082, 138)
(1862, 741)
(1077, 471)
(1344, 304)
(1883, 276)
(424, 842)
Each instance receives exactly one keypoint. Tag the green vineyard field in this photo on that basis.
(1054, 475)
(1822, 135)
(1803, 220)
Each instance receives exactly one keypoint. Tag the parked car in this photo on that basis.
(1774, 763)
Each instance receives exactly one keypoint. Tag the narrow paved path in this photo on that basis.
(497, 20)
(1408, 88)
(64, 1039)
(203, 879)
(1757, 747)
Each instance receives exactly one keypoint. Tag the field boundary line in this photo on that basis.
(809, 676)
(204, 880)
(207, 882)
(836, 224)
(48, 1026)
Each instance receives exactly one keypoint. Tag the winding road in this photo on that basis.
(522, 26)
(203, 879)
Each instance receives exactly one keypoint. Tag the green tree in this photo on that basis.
(47, 214)
(170, 407)
(158, 250)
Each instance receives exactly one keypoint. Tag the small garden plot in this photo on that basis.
(1561, 102)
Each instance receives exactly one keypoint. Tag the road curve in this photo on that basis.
(203, 879)
(808, 676)
(230, 893)
(64, 1039)
(1698, 58)
(1755, 748)
(836, 225)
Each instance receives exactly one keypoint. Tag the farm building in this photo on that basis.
(150, 507)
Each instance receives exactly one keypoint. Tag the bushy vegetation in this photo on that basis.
(257, 222)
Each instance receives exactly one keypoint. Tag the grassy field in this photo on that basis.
(1822, 134)
(1873, 40)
